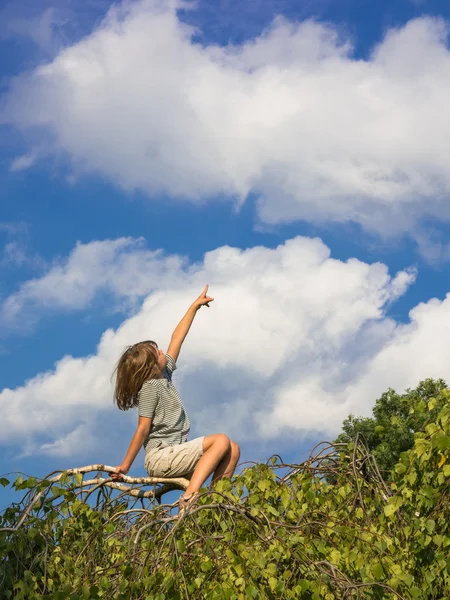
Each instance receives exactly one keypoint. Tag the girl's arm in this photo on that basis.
(141, 433)
(184, 325)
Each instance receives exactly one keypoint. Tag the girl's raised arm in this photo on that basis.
(184, 325)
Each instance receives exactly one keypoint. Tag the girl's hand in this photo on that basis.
(120, 470)
(203, 299)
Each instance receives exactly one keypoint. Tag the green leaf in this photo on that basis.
(441, 441)
(407, 578)
(392, 507)
(377, 571)
(207, 565)
(64, 479)
(4, 482)
(335, 557)
(285, 498)
(422, 445)
(273, 582)
(264, 485)
(272, 510)
(411, 478)
(430, 525)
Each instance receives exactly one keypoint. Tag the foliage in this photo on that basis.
(396, 418)
(276, 531)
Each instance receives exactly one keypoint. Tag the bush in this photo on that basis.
(272, 532)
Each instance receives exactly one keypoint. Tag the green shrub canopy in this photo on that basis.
(332, 527)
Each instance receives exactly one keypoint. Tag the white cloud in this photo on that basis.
(16, 251)
(416, 351)
(79, 441)
(13, 253)
(123, 268)
(404, 355)
(39, 29)
(24, 162)
(287, 346)
(48, 24)
(291, 116)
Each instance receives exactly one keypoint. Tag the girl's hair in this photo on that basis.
(137, 364)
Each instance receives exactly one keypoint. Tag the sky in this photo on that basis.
(295, 156)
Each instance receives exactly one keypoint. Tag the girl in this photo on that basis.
(144, 379)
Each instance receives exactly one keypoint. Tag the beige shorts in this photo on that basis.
(174, 461)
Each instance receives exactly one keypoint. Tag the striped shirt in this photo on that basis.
(160, 401)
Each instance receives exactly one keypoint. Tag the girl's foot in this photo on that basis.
(185, 503)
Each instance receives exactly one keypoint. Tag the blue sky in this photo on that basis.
(235, 142)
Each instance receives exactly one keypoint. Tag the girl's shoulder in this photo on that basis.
(149, 385)
(157, 383)
(151, 388)
(153, 381)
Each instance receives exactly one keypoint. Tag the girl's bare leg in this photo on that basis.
(228, 463)
(218, 456)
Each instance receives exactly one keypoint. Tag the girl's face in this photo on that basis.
(161, 357)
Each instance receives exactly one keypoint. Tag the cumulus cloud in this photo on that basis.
(292, 116)
(283, 348)
(123, 268)
(80, 440)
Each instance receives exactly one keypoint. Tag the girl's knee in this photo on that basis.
(223, 441)
(219, 441)
(235, 449)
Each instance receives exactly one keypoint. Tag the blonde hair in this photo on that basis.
(136, 365)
